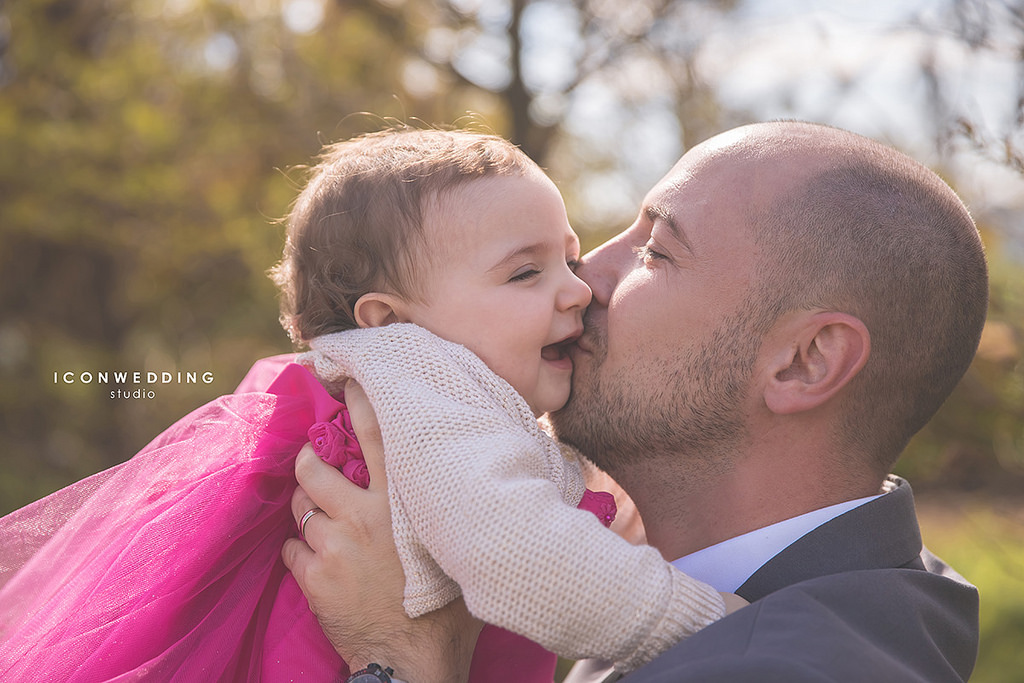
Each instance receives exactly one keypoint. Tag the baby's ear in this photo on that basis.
(377, 309)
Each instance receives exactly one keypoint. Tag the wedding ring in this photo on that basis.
(305, 518)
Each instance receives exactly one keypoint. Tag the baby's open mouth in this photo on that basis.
(553, 351)
(559, 350)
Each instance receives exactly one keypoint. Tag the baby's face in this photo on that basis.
(504, 285)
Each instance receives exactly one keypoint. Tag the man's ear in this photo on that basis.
(825, 351)
(376, 309)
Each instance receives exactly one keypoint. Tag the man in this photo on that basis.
(793, 303)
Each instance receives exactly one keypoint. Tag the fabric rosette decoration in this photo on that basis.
(335, 443)
(601, 503)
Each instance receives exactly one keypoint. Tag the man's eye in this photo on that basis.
(647, 254)
(524, 275)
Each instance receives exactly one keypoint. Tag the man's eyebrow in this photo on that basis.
(656, 212)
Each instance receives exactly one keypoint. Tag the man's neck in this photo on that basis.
(683, 515)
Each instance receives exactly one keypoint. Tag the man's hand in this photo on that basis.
(349, 570)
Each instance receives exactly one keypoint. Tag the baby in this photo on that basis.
(482, 261)
(436, 268)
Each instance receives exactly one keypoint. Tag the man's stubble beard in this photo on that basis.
(686, 412)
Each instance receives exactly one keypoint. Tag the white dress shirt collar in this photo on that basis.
(727, 565)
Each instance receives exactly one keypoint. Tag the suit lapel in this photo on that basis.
(841, 545)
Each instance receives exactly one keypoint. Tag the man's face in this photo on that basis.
(664, 365)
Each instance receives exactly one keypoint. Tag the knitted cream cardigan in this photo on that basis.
(483, 499)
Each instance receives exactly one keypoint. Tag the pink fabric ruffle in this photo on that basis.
(168, 566)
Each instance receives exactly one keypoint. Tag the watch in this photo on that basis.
(374, 673)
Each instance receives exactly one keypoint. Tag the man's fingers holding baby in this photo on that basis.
(305, 511)
(351, 515)
(324, 484)
(347, 545)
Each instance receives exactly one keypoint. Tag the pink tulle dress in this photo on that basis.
(168, 566)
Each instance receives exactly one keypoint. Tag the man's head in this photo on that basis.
(784, 280)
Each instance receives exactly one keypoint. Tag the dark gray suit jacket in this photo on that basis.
(857, 599)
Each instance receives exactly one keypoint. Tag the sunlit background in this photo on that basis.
(147, 149)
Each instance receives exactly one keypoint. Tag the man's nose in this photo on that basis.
(602, 267)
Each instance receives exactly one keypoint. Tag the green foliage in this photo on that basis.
(140, 187)
(984, 540)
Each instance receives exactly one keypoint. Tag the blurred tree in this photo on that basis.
(140, 141)
(984, 29)
(590, 89)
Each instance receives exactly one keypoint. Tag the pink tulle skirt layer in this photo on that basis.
(168, 567)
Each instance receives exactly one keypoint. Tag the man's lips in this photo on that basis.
(583, 343)
(580, 345)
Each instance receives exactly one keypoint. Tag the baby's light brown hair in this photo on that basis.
(357, 226)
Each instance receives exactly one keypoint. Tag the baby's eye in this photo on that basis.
(573, 264)
(524, 275)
